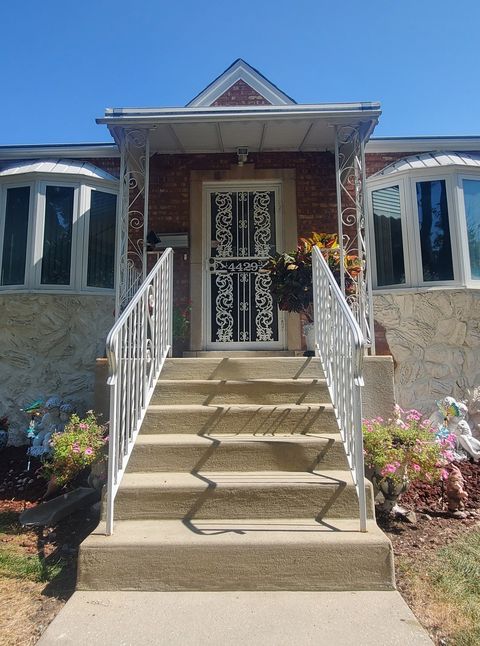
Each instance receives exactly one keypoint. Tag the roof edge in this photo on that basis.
(48, 151)
(422, 144)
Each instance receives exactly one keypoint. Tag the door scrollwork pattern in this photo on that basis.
(224, 307)
(263, 224)
(223, 224)
(264, 305)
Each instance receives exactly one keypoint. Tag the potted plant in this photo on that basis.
(180, 329)
(403, 450)
(78, 447)
(291, 276)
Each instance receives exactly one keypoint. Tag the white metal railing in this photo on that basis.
(340, 344)
(137, 346)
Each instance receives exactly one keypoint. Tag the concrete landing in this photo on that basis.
(236, 619)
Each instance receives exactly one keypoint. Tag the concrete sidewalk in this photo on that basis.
(235, 619)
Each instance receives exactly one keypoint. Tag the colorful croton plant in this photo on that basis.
(291, 273)
(406, 448)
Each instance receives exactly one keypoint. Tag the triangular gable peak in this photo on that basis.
(240, 84)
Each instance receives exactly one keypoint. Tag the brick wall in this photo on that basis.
(169, 206)
(240, 93)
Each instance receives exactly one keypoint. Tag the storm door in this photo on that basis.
(242, 232)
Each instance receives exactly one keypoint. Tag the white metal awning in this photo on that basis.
(57, 166)
(430, 160)
(295, 128)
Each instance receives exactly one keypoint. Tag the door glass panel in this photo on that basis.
(435, 241)
(471, 194)
(15, 236)
(387, 224)
(101, 240)
(57, 241)
(242, 238)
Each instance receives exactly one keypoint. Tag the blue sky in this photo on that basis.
(63, 62)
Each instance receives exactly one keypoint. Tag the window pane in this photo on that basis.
(387, 223)
(101, 240)
(434, 231)
(57, 242)
(15, 236)
(471, 194)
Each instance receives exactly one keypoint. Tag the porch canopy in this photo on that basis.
(340, 128)
(266, 128)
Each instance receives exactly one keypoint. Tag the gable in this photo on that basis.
(240, 84)
(240, 93)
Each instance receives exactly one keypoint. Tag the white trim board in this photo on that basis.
(240, 70)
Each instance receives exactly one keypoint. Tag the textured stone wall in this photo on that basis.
(48, 345)
(434, 338)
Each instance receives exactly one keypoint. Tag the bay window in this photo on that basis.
(58, 233)
(425, 225)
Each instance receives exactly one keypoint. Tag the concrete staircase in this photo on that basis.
(238, 481)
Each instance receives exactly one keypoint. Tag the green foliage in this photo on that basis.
(291, 273)
(405, 447)
(32, 568)
(78, 447)
(181, 322)
(456, 575)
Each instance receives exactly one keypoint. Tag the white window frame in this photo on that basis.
(36, 227)
(84, 272)
(407, 180)
(3, 220)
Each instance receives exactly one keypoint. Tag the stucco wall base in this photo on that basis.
(434, 338)
(49, 343)
(378, 396)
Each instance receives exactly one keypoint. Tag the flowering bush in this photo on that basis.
(406, 448)
(291, 273)
(79, 446)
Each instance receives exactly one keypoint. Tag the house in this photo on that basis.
(289, 167)
(239, 173)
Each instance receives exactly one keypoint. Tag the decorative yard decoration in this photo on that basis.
(451, 419)
(80, 445)
(291, 274)
(455, 492)
(403, 450)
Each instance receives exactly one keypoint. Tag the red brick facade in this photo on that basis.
(240, 93)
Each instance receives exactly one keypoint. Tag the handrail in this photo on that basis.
(137, 347)
(340, 344)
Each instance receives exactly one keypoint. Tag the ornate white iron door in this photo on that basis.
(242, 232)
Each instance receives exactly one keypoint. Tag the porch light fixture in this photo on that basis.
(242, 154)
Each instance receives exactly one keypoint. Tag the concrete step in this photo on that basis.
(261, 494)
(253, 554)
(243, 368)
(194, 453)
(259, 391)
(251, 419)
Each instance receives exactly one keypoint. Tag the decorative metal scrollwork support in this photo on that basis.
(352, 225)
(134, 145)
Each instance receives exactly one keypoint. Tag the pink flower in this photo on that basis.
(88, 450)
(416, 467)
(388, 469)
(448, 455)
(106, 439)
(83, 426)
(444, 474)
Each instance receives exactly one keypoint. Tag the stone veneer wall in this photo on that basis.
(434, 338)
(48, 345)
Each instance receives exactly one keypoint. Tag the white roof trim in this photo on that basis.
(428, 161)
(240, 70)
(59, 167)
(69, 151)
(421, 144)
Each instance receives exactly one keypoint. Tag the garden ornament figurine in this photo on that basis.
(451, 418)
(456, 494)
(51, 423)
